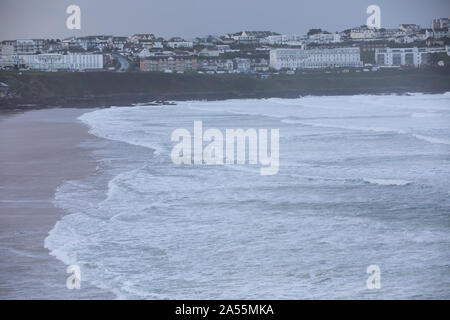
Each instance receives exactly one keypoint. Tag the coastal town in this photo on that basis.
(359, 49)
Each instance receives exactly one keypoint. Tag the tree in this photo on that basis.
(313, 32)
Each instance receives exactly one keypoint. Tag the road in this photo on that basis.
(124, 64)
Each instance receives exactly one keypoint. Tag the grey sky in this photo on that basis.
(190, 18)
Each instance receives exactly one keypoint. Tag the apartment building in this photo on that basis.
(243, 65)
(363, 33)
(441, 33)
(371, 46)
(409, 28)
(55, 62)
(440, 23)
(8, 62)
(401, 56)
(325, 37)
(6, 49)
(315, 58)
(225, 65)
(284, 39)
(94, 42)
(138, 37)
(169, 63)
(251, 37)
(29, 46)
(209, 52)
(179, 43)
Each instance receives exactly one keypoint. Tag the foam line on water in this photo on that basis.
(431, 139)
(387, 182)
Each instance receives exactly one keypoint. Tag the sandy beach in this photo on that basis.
(39, 150)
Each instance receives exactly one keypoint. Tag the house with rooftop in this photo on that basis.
(178, 42)
(409, 28)
(251, 37)
(440, 23)
(167, 63)
(138, 37)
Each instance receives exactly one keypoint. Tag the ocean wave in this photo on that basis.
(425, 115)
(431, 139)
(104, 124)
(369, 129)
(387, 182)
(357, 128)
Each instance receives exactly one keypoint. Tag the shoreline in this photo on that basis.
(29, 176)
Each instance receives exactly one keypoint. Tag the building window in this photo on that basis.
(424, 58)
(409, 59)
(396, 59)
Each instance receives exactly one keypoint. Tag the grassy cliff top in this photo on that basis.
(35, 87)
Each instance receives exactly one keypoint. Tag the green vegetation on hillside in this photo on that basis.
(107, 88)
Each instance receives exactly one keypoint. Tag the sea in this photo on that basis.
(363, 181)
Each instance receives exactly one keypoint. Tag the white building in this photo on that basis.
(409, 28)
(315, 58)
(216, 65)
(223, 48)
(441, 33)
(6, 50)
(363, 33)
(243, 65)
(401, 56)
(387, 33)
(144, 53)
(178, 43)
(405, 39)
(209, 52)
(440, 23)
(94, 42)
(118, 43)
(29, 46)
(138, 37)
(445, 49)
(250, 37)
(284, 39)
(150, 44)
(55, 62)
(7, 62)
(325, 37)
(225, 65)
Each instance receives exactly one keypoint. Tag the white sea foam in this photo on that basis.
(152, 230)
(425, 115)
(325, 125)
(432, 139)
(388, 182)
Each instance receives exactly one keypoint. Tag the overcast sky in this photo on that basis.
(21, 19)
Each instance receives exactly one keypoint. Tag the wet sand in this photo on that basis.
(39, 150)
